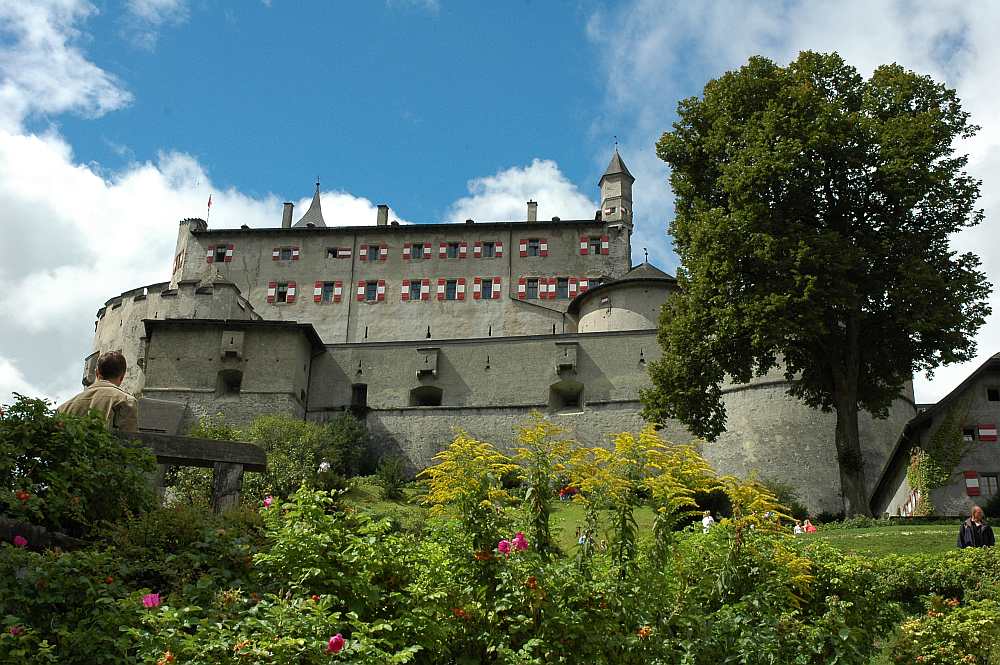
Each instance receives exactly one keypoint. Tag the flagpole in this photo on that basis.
(208, 209)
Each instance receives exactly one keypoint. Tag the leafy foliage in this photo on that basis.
(391, 476)
(813, 216)
(68, 473)
(951, 633)
(541, 455)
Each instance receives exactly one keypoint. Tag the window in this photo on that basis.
(373, 252)
(562, 287)
(487, 288)
(371, 291)
(489, 250)
(534, 247)
(327, 291)
(426, 396)
(229, 382)
(282, 292)
(451, 289)
(532, 289)
(595, 245)
(285, 254)
(968, 434)
(359, 395)
(993, 394)
(414, 289)
(338, 252)
(610, 210)
(220, 253)
(566, 395)
(452, 252)
(417, 250)
(988, 483)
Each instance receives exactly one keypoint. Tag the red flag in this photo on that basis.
(209, 200)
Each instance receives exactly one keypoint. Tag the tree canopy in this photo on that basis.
(814, 209)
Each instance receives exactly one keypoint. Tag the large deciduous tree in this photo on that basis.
(813, 216)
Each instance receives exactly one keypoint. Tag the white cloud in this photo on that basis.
(145, 19)
(429, 6)
(41, 69)
(342, 208)
(504, 196)
(654, 54)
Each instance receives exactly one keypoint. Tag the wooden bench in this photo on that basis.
(227, 459)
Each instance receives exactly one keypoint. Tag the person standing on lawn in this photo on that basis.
(975, 532)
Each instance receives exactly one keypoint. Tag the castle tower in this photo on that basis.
(314, 215)
(616, 192)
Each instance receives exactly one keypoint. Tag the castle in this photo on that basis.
(426, 327)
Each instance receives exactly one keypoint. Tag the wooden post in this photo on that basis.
(227, 482)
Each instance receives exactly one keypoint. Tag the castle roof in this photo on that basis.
(314, 215)
(402, 229)
(644, 272)
(616, 167)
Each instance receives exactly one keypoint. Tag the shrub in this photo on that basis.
(68, 473)
(951, 633)
(391, 477)
(788, 496)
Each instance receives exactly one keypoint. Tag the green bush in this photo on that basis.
(391, 476)
(951, 633)
(68, 473)
(788, 496)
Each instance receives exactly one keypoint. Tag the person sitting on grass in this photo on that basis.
(975, 532)
(808, 527)
(797, 529)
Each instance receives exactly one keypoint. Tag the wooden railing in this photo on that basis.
(229, 460)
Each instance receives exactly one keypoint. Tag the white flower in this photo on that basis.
(324, 467)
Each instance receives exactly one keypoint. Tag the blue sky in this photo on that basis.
(119, 117)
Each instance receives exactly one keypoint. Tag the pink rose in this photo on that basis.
(268, 501)
(16, 630)
(520, 544)
(335, 643)
(20, 541)
(503, 546)
(151, 600)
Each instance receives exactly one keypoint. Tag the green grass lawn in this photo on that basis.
(879, 541)
(566, 516)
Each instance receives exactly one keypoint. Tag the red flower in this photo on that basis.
(314, 598)
(459, 613)
(645, 632)
(22, 495)
(335, 643)
(109, 580)
(531, 582)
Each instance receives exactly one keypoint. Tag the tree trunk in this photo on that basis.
(849, 456)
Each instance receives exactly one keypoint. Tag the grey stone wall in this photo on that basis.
(238, 411)
(634, 306)
(252, 267)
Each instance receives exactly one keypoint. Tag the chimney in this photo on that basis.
(286, 215)
(532, 211)
(383, 214)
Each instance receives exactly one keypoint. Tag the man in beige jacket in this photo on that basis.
(119, 409)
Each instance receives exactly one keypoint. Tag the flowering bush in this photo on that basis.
(951, 633)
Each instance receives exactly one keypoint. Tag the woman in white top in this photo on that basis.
(707, 521)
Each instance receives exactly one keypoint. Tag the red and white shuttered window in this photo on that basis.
(522, 288)
(413, 290)
(281, 292)
(971, 483)
(373, 252)
(285, 254)
(371, 290)
(328, 292)
(584, 245)
(574, 287)
(987, 431)
(605, 244)
(486, 288)
(533, 247)
(451, 289)
(223, 253)
(407, 251)
(487, 249)
(583, 284)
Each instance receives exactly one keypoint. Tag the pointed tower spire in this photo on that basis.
(616, 191)
(617, 167)
(314, 215)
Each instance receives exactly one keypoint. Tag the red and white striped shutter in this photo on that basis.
(427, 250)
(425, 289)
(499, 249)
(272, 288)
(543, 247)
(363, 252)
(477, 288)
(477, 249)
(463, 250)
(522, 288)
(987, 432)
(496, 289)
(522, 247)
(443, 250)
(344, 253)
(441, 288)
(404, 290)
(584, 284)
(210, 254)
(229, 252)
(572, 287)
(318, 292)
(406, 250)
(361, 290)
(295, 253)
(552, 287)
(584, 245)
(971, 483)
(275, 253)
(290, 297)
(380, 291)
(605, 244)
(460, 288)
(383, 252)
(338, 291)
